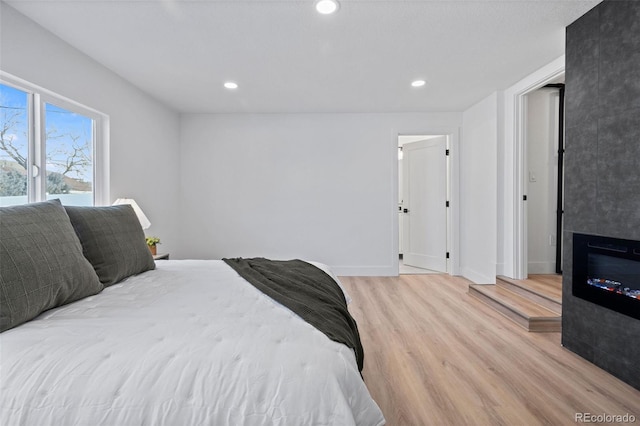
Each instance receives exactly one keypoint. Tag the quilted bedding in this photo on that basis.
(190, 343)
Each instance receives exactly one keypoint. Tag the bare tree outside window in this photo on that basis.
(69, 148)
(68, 145)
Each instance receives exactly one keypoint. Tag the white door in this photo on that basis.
(424, 205)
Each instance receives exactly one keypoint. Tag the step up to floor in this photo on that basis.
(547, 293)
(519, 308)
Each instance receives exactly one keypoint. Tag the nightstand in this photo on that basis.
(163, 256)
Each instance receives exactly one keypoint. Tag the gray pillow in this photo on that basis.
(41, 262)
(112, 240)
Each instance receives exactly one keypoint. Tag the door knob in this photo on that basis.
(405, 211)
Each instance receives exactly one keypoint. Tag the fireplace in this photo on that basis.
(606, 271)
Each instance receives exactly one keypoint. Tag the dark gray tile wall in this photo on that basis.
(602, 171)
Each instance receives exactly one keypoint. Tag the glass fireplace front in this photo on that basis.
(606, 271)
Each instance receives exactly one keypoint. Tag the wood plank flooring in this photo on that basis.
(550, 285)
(436, 356)
(521, 309)
(545, 290)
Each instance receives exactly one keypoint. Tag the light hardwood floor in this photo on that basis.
(436, 356)
(549, 284)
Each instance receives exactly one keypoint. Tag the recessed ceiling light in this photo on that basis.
(418, 83)
(231, 85)
(327, 7)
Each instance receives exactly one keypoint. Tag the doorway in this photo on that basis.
(544, 154)
(423, 171)
(512, 232)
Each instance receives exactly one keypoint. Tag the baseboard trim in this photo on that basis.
(540, 268)
(477, 277)
(365, 271)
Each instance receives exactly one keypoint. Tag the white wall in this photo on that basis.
(478, 191)
(315, 186)
(542, 162)
(352, 201)
(143, 134)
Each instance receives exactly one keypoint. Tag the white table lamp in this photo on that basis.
(144, 221)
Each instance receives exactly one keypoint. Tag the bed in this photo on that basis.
(184, 342)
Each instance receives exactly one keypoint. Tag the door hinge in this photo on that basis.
(524, 198)
(447, 255)
(447, 203)
(446, 152)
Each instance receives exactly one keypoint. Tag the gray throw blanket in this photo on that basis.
(307, 291)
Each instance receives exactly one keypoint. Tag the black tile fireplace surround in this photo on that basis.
(602, 176)
(606, 271)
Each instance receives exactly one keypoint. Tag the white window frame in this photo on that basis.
(36, 170)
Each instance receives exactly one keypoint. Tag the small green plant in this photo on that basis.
(152, 241)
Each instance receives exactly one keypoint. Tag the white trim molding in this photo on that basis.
(513, 144)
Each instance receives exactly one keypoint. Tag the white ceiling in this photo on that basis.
(288, 58)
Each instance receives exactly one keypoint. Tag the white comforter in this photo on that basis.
(190, 343)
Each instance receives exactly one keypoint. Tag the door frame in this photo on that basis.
(433, 157)
(453, 212)
(515, 126)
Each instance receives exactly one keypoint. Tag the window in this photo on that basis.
(50, 147)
